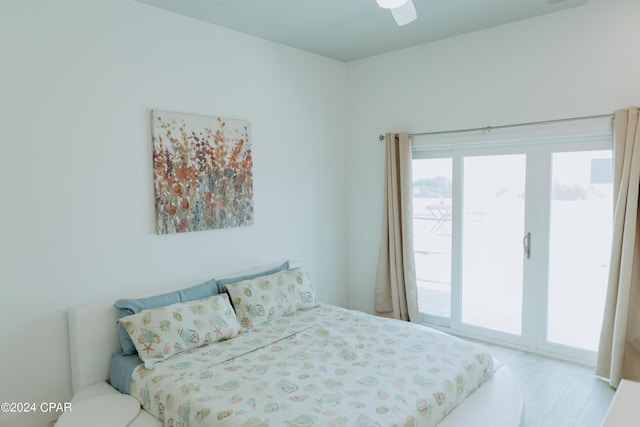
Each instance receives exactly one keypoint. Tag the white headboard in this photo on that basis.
(93, 335)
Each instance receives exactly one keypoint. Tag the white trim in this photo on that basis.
(456, 241)
(545, 133)
(570, 354)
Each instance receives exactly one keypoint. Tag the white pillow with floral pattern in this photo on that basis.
(267, 297)
(162, 332)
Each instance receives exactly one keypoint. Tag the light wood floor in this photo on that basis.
(556, 393)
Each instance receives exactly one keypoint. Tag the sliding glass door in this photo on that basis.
(580, 231)
(432, 223)
(512, 243)
(493, 214)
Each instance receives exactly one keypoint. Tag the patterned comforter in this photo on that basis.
(325, 367)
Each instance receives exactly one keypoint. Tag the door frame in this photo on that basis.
(537, 220)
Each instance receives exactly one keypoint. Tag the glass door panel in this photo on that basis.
(579, 246)
(493, 213)
(432, 205)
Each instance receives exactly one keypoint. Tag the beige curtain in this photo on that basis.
(396, 292)
(619, 351)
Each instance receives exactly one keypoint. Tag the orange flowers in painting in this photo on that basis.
(202, 172)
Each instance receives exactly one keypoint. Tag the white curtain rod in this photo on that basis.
(490, 128)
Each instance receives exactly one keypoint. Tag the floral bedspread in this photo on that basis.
(323, 367)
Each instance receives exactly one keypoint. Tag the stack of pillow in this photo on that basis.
(158, 327)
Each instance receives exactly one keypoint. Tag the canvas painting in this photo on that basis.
(202, 172)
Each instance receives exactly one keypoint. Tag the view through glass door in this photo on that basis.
(493, 208)
(579, 246)
(513, 246)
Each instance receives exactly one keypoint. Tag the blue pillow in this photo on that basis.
(120, 370)
(127, 307)
(222, 283)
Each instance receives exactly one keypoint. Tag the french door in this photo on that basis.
(512, 242)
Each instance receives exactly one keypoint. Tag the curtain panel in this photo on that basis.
(619, 349)
(396, 295)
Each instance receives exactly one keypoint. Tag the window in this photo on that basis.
(432, 212)
(512, 239)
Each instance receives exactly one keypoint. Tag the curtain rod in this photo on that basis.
(490, 128)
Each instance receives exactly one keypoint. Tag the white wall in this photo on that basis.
(578, 62)
(77, 81)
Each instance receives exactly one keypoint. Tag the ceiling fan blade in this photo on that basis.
(391, 4)
(405, 13)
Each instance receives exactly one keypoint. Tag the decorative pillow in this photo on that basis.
(222, 283)
(264, 298)
(130, 306)
(160, 333)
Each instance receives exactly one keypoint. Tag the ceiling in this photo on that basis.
(352, 29)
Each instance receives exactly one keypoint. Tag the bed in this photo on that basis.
(275, 356)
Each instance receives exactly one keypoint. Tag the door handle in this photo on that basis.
(526, 243)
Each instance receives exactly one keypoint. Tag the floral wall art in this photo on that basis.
(202, 172)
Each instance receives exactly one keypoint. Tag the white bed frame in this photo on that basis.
(93, 338)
